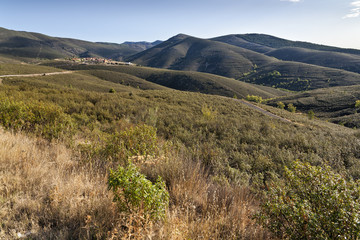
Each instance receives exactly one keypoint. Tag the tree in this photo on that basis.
(312, 203)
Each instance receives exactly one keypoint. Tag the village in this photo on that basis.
(95, 60)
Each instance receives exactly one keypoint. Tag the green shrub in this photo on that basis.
(208, 112)
(254, 98)
(311, 115)
(312, 203)
(45, 119)
(281, 105)
(140, 140)
(291, 108)
(357, 104)
(134, 193)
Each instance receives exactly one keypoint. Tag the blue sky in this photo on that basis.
(330, 22)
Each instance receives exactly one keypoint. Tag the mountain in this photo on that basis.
(240, 59)
(142, 46)
(35, 45)
(326, 56)
(188, 53)
(272, 42)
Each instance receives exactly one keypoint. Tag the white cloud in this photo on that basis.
(355, 11)
(292, 0)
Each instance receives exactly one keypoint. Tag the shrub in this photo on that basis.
(281, 105)
(291, 108)
(134, 193)
(208, 112)
(254, 98)
(312, 203)
(311, 115)
(357, 104)
(140, 140)
(45, 119)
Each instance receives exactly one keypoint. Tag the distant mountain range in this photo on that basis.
(35, 45)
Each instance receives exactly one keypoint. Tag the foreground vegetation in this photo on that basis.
(215, 157)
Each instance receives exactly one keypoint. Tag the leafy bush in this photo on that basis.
(281, 105)
(312, 203)
(140, 140)
(254, 98)
(45, 119)
(134, 193)
(357, 103)
(208, 112)
(291, 108)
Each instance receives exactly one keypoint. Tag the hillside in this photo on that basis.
(231, 59)
(272, 42)
(296, 51)
(336, 104)
(300, 77)
(180, 80)
(216, 157)
(194, 54)
(348, 62)
(35, 45)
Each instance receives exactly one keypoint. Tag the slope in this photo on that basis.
(179, 80)
(194, 54)
(336, 104)
(269, 41)
(321, 55)
(35, 45)
(299, 76)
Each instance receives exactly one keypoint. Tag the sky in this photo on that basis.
(328, 22)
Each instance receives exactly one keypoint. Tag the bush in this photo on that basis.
(254, 98)
(140, 140)
(312, 203)
(311, 115)
(134, 193)
(281, 105)
(44, 119)
(291, 108)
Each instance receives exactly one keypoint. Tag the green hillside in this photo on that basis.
(336, 104)
(231, 59)
(299, 76)
(193, 54)
(348, 62)
(179, 80)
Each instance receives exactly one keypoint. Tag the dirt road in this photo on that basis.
(35, 74)
(263, 111)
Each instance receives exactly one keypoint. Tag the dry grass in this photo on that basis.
(201, 209)
(45, 194)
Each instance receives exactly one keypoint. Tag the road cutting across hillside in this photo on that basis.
(35, 74)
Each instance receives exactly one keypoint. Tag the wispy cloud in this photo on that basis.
(355, 11)
(290, 0)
